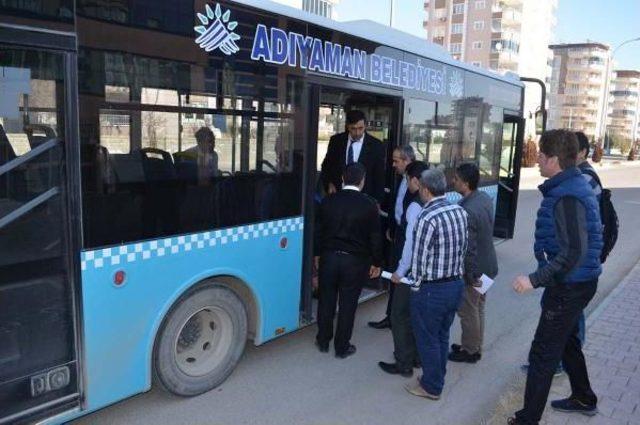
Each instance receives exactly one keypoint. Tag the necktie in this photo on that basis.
(350, 154)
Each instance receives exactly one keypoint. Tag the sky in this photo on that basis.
(611, 22)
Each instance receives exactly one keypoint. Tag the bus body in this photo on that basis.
(120, 259)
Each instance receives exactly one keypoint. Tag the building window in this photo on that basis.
(476, 63)
(477, 45)
(458, 9)
(455, 48)
(456, 28)
(480, 4)
(441, 13)
(478, 25)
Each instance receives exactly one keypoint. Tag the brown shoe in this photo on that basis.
(417, 390)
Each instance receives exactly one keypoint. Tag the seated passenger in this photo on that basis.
(203, 154)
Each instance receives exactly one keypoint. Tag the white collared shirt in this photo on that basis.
(349, 187)
(357, 148)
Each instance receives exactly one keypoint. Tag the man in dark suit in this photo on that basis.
(402, 157)
(348, 249)
(355, 145)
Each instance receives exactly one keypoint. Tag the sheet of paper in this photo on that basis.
(486, 284)
(387, 275)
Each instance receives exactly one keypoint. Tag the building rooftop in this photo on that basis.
(589, 45)
(627, 73)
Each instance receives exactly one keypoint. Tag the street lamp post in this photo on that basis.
(607, 94)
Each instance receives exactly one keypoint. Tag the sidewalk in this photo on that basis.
(612, 351)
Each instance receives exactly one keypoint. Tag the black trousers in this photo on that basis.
(404, 343)
(556, 339)
(396, 254)
(341, 278)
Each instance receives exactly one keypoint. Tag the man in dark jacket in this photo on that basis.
(403, 157)
(355, 145)
(568, 241)
(348, 252)
(480, 259)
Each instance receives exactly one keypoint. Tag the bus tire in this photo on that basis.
(200, 341)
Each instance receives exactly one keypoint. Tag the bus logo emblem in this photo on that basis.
(456, 84)
(216, 32)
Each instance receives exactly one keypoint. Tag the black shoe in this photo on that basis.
(573, 405)
(383, 324)
(463, 357)
(456, 347)
(513, 421)
(323, 348)
(393, 369)
(351, 350)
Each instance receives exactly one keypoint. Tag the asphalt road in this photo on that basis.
(288, 381)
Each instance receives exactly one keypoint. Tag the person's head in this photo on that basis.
(402, 156)
(466, 178)
(354, 175)
(414, 171)
(356, 124)
(433, 183)
(205, 138)
(583, 146)
(558, 151)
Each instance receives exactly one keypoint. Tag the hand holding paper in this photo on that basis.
(486, 284)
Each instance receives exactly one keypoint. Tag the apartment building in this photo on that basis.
(502, 35)
(577, 90)
(624, 104)
(324, 8)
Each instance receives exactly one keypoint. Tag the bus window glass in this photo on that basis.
(489, 160)
(419, 119)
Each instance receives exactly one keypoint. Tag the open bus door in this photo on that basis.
(509, 178)
(39, 362)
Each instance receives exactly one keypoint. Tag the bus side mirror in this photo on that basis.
(541, 120)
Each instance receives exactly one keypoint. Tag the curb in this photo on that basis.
(597, 311)
(515, 388)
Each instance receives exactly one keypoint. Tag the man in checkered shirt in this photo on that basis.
(439, 247)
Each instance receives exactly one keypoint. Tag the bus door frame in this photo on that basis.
(514, 173)
(315, 83)
(65, 43)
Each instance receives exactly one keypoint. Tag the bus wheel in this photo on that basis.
(201, 341)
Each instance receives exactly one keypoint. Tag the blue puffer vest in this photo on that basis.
(569, 183)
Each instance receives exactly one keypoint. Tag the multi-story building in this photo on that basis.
(503, 35)
(324, 8)
(577, 92)
(624, 105)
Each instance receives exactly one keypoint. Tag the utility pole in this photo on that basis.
(391, 14)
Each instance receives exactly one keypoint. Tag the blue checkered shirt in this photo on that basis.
(439, 241)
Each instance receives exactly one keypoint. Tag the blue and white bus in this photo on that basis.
(121, 264)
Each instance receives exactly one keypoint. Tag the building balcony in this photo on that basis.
(511, 18)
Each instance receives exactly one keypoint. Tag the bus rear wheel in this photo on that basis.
(201, 341)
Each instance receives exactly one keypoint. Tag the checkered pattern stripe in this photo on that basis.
(142, 251)
(492, 191)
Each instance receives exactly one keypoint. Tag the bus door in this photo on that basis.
(39, 361)
(329, 105)
(509, 179)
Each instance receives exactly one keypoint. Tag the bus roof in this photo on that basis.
(382, 34)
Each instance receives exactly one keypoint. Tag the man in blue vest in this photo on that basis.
(568, 241)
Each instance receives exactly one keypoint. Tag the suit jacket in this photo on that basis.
(348, 221)
(372, 156)
(481, 254)
(406, 201)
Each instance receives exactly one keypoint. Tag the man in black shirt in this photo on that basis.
(348, 248)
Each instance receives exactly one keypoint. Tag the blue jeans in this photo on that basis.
(433, 309)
